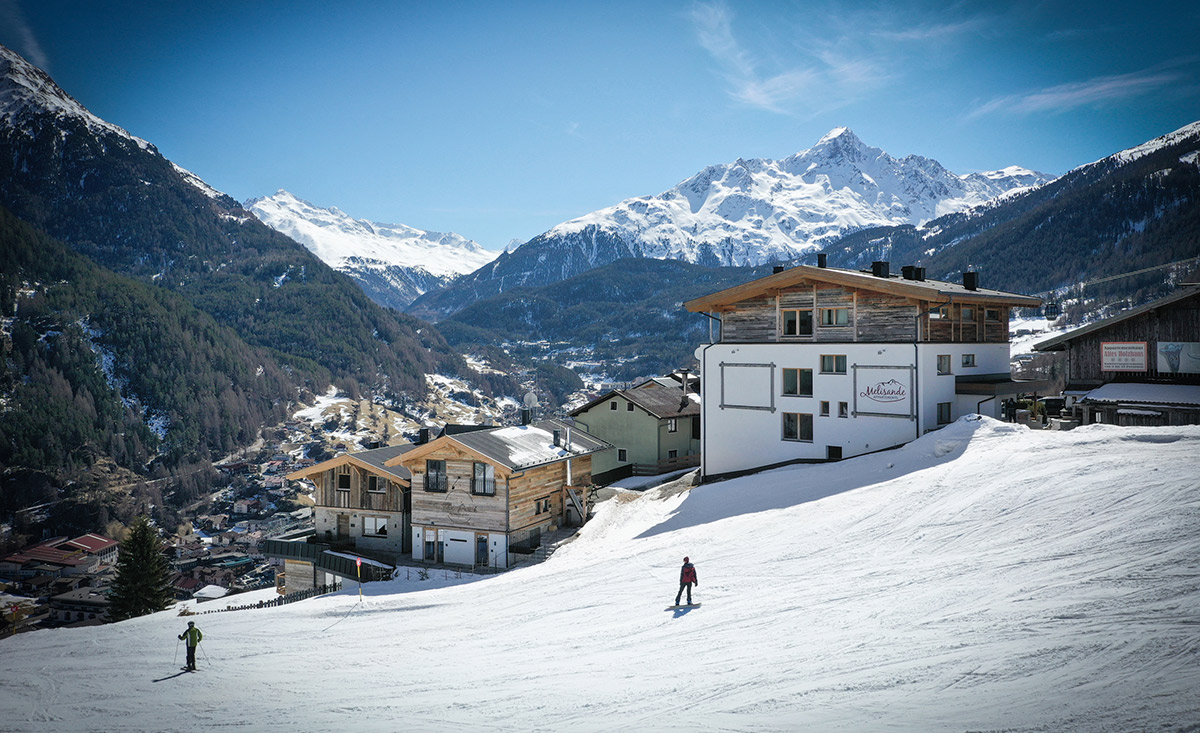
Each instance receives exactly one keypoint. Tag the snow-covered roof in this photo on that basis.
(1146, 394)
(211, 591)
(525, 446)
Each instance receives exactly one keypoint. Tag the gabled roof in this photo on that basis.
(520, 447)
(929, 290)
(374, 460)
(659, 401)
(1058, 343)
(92, 543)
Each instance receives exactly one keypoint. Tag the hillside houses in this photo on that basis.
(813, 363)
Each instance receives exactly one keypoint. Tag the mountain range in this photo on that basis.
(745, 213)
(393, 263)
(220, 323)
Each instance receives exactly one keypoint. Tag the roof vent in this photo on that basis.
(909, 272)
(557, 438)
(971, 280)
(822, 259)
(777, 269)
(919, 274)
(881, 268)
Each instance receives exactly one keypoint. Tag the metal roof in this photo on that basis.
(525, 446)
(1058, 343)
(659, 401)
(375, 459)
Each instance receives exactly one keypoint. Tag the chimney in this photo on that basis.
(526, 415)
(919, 274)
(557, 438)
(822, 259)
(881, 268)
(909, 272)
(423, 436)
(777, 269)
(971, 280)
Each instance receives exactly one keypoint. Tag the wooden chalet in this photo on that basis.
(479, 496)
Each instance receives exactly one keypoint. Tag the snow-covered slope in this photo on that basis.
(394, 263)
(24, 88)
(755, 211)
(984, 577)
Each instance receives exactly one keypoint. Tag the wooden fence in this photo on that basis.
(283, 600)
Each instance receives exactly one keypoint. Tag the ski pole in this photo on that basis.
(205, 654)
(176, 659)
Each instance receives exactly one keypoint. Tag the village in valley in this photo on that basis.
(809, 364)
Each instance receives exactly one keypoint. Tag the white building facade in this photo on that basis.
(816, 363)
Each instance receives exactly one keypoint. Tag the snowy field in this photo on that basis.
(983, 578)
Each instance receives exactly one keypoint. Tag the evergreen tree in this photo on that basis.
(143, 583)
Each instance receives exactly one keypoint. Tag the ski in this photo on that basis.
(686, 605)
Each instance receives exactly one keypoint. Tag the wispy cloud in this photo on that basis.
(27, 43)
(1098, 91)
(820, 78)
(932, 31)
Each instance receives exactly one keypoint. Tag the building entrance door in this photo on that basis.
(481, 549)
(343, 526)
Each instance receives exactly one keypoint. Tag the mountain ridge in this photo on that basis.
(745, 213)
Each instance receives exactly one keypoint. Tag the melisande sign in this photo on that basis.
(889, 391)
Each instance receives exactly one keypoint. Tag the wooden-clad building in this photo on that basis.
(820, 363)
(481, 495)
(361, 502)
(1139, 367)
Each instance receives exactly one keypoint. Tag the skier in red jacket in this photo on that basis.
(687, 577)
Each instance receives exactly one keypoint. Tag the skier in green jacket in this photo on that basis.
(193, 636)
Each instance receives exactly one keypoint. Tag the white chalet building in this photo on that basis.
(818, 363)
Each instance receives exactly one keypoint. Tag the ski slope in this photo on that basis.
(983, 578)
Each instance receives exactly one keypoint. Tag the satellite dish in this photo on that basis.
(531, 400)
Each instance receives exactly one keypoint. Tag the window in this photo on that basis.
(991, 314)
(835, 316)
(483, 479)
(622, 455)
(942, 312)
(672, 425)
(695, 427)
(843, 409)
(833, 363)
(541, 506)
(343, 481)
(944, 413)
(376, 484)
(797, 426)
(672, 454)
(968, 313)
(435, 476)
(943, 363)
(375, 526)
(612, 405)
(824, 408)
(797, 322)
(968, 360)
(798, 382)
(628, 407)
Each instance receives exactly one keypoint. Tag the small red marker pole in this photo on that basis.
(358, 569)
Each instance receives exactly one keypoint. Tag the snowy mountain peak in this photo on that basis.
(381, 257)
(758, 210)
(26, 89)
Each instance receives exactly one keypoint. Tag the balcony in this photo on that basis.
(322, 555)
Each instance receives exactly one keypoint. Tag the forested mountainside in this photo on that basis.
(628, 314)
(1132, 210)
(101, 367)
(115, 199)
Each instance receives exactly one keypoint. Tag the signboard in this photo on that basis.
(884, 391)
(1123, 356)
(1179, 357)
(747, 386)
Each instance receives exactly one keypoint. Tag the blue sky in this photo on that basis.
(500, 120)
